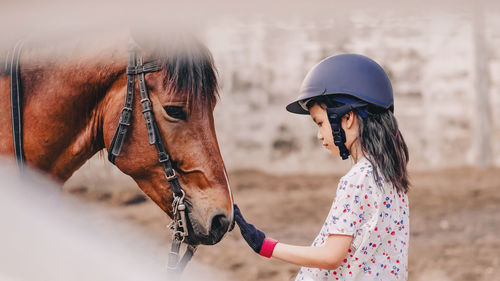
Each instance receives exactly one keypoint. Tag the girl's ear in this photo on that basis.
(349, 119)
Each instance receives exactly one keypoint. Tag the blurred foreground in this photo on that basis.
(48, 235)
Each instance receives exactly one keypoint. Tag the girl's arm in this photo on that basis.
(329, 256)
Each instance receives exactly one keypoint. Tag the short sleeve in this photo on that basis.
(350, 207)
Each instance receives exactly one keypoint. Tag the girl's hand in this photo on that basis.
(255, 238)
(328, 256)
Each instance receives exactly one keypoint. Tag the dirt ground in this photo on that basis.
(454, 222)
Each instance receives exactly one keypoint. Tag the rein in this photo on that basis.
(16, 104)
(135, 67)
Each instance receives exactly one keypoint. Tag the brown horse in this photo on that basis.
(74, 91)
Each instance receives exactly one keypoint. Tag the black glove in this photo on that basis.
(255, 238)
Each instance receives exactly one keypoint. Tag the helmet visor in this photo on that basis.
(303, 104)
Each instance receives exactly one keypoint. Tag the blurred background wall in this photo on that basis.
(443, 59)
(444, 66)
(445, 71)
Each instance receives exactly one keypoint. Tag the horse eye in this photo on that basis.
(175, 112)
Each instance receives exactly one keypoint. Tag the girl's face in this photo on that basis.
(349, 123)
(319, 116)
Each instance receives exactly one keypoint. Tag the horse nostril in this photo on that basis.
(220, 225)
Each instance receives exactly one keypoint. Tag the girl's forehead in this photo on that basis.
(317, 112)
(316, 109)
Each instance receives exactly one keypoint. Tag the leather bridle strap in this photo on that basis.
(126, 114)
(152, 127)
(176, 267)
(136, 67)
(16, 102)
(151, 66)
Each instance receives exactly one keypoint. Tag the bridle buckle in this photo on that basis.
(171, 177)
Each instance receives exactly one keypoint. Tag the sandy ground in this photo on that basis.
(454, 222)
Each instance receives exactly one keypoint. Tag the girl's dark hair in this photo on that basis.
(385, 148)
(382, 142)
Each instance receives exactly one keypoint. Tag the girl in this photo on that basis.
(366, 233)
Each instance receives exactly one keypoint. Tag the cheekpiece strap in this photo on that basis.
(126, 114)
(136, 67)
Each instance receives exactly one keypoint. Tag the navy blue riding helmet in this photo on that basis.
(353, 81)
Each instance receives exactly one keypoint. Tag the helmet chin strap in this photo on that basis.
(335, 115)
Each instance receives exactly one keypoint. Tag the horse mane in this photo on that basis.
(190, 70)
(194, 74)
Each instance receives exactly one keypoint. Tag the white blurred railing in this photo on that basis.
(49, 235)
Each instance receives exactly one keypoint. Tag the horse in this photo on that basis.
(72, 101)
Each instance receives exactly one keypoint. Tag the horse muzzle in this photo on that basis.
(207, 231)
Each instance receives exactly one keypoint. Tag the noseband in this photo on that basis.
(136, 67)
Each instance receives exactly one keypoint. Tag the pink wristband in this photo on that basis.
(268, 247)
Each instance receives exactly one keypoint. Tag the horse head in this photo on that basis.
(183, 94)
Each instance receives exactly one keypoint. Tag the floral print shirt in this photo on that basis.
(377, 217)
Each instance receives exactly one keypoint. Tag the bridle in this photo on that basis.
(135, 67)
(16, 103)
